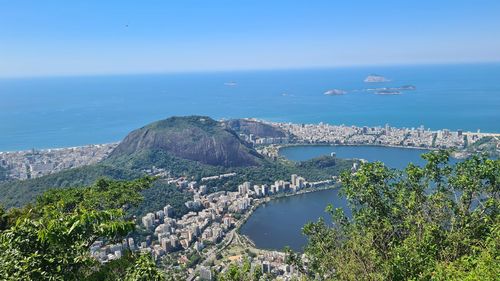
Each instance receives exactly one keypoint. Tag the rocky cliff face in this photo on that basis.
(258, 129)
(196, 138)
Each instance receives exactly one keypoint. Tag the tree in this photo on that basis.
(422, 223)
(3, 218)
(241, 272)
(51, 240)
(144, 270)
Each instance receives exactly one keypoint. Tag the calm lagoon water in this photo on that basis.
(391, 156)
(279, 223)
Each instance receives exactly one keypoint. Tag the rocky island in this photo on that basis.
(334, 92)
(392, 90)
(375, 78)
(388, 92)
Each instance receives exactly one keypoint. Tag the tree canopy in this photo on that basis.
(437, 222)
(50, 240)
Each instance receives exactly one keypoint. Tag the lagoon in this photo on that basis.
(394, 157)
(279, 223)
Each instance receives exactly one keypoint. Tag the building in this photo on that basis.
(148, 220)
(205, 273)
(167, 211)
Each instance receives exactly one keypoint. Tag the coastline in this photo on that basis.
(275, 124)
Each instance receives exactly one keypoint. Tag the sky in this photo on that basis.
(61, 37)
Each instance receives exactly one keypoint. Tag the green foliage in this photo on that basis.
(241, 272)
(177, 167)
(438, 222)
(194, 259)
(482, 264)
(51, 240)
(486, 145)
(3, 218)
(114, 269)
(161, 194)
(19, 193)
(144, 269)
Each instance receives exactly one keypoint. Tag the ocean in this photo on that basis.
(71, 111)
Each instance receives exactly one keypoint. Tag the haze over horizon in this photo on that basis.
(95, 37)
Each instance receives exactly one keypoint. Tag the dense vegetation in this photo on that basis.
(438, 222)
(19, 193)
(489, 145)
(158, 196)
(50, 240)
(242, 272)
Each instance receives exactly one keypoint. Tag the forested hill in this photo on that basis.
(196, 138)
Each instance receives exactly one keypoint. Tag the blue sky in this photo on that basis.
(49, 37)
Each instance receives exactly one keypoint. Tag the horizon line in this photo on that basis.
(240, 70)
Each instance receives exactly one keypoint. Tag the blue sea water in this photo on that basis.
(69, 111)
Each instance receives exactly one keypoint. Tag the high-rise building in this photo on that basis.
(265, 190)
(257, 190)
(203, 189)
(266, 267)
(131, 244)
(160, 215)
(294, 180)
(205, 273)
(167, 210)
(165, 244)
(148, 220)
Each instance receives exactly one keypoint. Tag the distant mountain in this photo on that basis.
(195, 138)
(258, 129)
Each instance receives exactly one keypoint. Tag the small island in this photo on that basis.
(392, 90)
(335, 92)
(375, 78)
(388, 92)
(407, 88)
